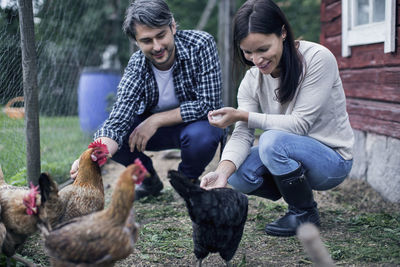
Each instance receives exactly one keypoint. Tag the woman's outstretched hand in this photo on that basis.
(212, 180)
(226, 116)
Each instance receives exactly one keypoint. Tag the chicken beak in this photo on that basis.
(34, 210)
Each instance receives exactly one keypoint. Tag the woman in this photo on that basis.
(294, 93)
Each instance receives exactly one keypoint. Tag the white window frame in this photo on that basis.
(380, 32)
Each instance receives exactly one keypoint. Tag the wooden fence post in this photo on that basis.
(29, 72)
(225, 15)
(206, 14)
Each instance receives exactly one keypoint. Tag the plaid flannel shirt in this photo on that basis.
(197, 82)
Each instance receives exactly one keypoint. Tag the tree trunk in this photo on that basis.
(29, 72)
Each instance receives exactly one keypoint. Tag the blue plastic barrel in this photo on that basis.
(96, 92)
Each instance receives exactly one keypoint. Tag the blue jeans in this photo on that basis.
(198, 141)
(281, 152)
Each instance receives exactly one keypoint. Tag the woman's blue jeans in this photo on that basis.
(281, 153)
(197, 140)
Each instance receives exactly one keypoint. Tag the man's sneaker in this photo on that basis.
(150, 186)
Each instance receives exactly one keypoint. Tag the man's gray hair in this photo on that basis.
(151, 13)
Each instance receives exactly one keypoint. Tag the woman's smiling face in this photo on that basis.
(264, 50)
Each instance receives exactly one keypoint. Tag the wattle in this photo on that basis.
(102, 161)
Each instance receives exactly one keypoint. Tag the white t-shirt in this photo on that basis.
(166, 92)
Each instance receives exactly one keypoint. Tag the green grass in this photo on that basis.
(372, 238)
(61, 142)
(352, 237)
(166, 228)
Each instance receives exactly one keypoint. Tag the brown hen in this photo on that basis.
(17, 204)
(3, 231)
(84, 196)
(100, 238)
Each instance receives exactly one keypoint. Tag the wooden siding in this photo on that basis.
(373, 116)
(370, 77)
(382, 85)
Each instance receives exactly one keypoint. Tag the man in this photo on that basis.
(164, 96)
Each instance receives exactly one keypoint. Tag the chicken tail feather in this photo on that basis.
(47, 185)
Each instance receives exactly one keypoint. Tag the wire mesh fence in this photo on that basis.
(69, 37)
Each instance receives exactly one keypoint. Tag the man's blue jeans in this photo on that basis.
(197, 140)
(281, 153)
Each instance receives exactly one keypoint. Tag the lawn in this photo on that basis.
(358, 228)
(61, 142)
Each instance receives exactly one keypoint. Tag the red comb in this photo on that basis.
(96, 143)
(142, 172)
(30, 199)
(140, 164)
(34, 189)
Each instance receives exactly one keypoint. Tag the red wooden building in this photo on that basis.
(371, 77)
(363, 35)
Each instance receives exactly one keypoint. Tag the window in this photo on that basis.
(368, 22)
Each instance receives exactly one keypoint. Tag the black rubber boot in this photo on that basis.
(267, 189)
(302, 208)
(150, 186)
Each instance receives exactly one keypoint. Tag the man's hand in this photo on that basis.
(112, 147)
(74, 169)
(144, 131)
(213, 180)
(141, 135)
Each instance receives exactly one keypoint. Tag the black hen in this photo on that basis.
(218, 217)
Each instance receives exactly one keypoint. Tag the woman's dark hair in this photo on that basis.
(264, 16)
(152, 13)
